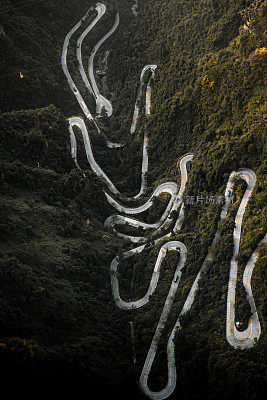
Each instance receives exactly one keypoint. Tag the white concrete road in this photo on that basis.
(71, 83)
(101, 101)
(101, 9)
(152, 68)
(167, 391)
(134, 8)
(251, 334)
(166, 219)
(172, 245)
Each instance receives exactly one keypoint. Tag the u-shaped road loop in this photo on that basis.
(166, 219)
(237, 339)
(248, 337)
(152, 68)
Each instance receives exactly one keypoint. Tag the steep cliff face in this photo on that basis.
(59, 324)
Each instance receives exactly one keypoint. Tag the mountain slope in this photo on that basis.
(59, 324)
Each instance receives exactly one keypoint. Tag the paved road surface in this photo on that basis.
(246, 338)
(134, 8)
(166, 219)
(139, 92)
(101, 9)
(71, 83)
(101, 101)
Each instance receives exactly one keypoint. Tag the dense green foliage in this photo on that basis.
(58, 322)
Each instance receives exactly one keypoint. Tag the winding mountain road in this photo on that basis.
(166, 219)
(101, 9)
(101, 101)
(152, 68)
(237, 339)
(71, 83)
(79, 122)
(247, 337)
(134, 7)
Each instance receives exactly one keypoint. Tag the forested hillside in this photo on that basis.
(59, 325)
